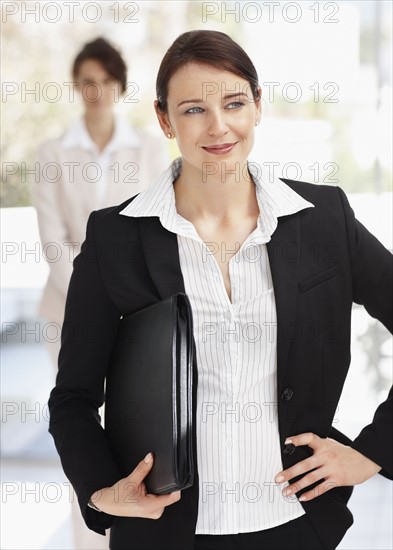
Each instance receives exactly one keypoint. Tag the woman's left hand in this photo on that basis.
(336, 463)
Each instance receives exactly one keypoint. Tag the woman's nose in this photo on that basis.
(216, 125)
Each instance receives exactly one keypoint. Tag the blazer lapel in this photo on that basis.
(162, 256)
(284, 252)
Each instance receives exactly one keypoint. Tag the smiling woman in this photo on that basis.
(263, 407)
(216, 123)
(208, 91)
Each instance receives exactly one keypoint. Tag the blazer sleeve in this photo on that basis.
(372, 275)
(87, 338)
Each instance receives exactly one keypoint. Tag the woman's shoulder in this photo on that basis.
(330, 202)
(310, 189)
(110, 212)
(50, 144)
(321, 195)
(62, 138)
(108, 221)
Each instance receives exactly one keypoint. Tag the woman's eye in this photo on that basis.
(194, 110)
(235, 105)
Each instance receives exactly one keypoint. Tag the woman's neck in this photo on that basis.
(100, 128)
(224, 198)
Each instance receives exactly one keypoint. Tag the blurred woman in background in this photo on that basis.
(99, 161)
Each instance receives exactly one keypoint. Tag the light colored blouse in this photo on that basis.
(238, 448)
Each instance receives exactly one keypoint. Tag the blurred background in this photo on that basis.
(326, 74)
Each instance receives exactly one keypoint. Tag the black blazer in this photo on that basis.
(322, 259)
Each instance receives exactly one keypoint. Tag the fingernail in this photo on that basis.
(302, 498)
(287, 492)
(288, 441)
(148, 457)
(279, 479)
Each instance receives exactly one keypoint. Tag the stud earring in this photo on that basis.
(169, 135)
(256, 122)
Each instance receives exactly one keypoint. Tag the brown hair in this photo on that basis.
(107, 55)
(212, 48)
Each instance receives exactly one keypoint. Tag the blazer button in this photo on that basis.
(287, 394)
(289, 449)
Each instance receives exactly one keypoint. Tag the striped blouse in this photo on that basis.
(238, 448)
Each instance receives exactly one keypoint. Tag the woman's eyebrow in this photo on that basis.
(225, 98)
(236, 94)
(189, 101)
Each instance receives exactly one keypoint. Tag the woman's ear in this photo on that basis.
(258, 106)
(163, 120)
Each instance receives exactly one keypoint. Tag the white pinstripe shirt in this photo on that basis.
(238, 448)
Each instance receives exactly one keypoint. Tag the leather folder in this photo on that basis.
(148, 403)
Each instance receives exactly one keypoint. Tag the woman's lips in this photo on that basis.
(221, 149)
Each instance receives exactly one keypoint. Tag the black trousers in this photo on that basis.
(297, 534)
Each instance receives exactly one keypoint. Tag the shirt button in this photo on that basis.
(228, 314)
(229, 443)
(289, 449)
(286, 394)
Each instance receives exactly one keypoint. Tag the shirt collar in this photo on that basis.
(274, 198)
(78, 136)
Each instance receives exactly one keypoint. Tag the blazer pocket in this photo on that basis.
(313, 280)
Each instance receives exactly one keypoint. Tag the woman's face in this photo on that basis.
(98, 88)
(212, 114)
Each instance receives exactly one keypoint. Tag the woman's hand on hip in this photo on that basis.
(128, 497)
(333, 462)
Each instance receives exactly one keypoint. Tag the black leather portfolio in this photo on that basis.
(148, 403)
